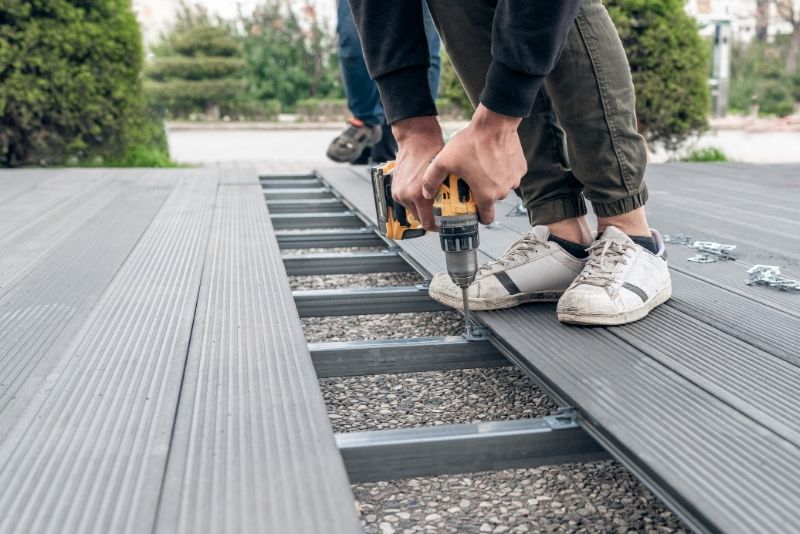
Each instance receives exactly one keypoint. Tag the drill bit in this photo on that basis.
(467, 326)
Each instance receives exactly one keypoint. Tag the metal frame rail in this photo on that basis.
(327, 220)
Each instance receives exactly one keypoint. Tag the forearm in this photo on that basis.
(396, 53)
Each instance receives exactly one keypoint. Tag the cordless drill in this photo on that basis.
(456, 216)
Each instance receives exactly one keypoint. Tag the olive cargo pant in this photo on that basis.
(586, 109)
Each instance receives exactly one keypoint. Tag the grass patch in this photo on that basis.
(705, 155)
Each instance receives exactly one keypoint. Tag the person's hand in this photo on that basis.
(487, 154)
(419, 140)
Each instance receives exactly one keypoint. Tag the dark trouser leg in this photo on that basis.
(434, 49)
(595, 102)
(363, 99)
(591, 94)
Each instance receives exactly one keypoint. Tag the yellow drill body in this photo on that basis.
(456, 216)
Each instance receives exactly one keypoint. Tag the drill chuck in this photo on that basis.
(458, 235)
(462, 266)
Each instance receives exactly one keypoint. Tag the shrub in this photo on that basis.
(200, 67)
(670, 66)
(254, 110)
(706, 155)
(776, 98)
(322, 109)
(758, 78)
(289, 59)
(453, 101)
(70, 86)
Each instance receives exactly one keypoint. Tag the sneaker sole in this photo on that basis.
(631, 316)
(478, 304)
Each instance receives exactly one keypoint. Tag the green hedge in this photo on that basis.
(205, 40)
(70, 87)
(191, 68)
(188, 94)
(670, 66)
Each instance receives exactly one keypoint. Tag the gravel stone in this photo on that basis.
(434, 398)
(384, 326)
(336, 281)
(332, 250)
(594, 497)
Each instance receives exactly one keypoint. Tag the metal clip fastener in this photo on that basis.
(476, 333)
(565, 417)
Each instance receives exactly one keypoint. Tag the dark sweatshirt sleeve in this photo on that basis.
(528, 37)
(396, 52)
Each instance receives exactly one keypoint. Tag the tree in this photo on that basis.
(199, 66)
(70, 86)
(789, 11)
(670, 66)
(290, 55)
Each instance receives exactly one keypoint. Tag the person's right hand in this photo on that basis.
(419, 140)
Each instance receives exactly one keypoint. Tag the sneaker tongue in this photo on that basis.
(615, 234)
(540, 232)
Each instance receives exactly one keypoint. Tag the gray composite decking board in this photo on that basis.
(752, 381)
(752, 196)
(253, 448)
(17, 182)
(42, 312)
(702, 455)
(46, 196)
(88, 453)
(28, 244)
(731, 404)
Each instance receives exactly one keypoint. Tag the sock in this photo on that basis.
(646, 242)
(575, 249)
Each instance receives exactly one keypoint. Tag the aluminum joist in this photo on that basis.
(305, 221)
(323, 205)
(345, 263)
(320, 193)
(302, 239)
(358, 358)
(685, 398)
(465, 448)
(364, 301)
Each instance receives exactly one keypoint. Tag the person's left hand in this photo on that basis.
(487, 154)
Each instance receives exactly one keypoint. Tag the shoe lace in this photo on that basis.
(604, 256)
(522, 248)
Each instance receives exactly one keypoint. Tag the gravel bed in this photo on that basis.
(335, 281)
(593, 497)
(334, 250)
(383, 326)
(434, 398)
(590, 497)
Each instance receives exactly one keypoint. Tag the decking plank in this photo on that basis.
(253, 449)
(42, 310)
(88, 453)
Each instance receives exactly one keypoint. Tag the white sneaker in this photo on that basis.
(621, 282)
(533, 269)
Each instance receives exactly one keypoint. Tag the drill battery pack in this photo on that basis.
(394, 221)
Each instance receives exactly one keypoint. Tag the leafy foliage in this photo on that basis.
(70, 87)
(288, 61)
(199, 66)
(670, 67)
(706, 155)
(452, 98)
(758, 78)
